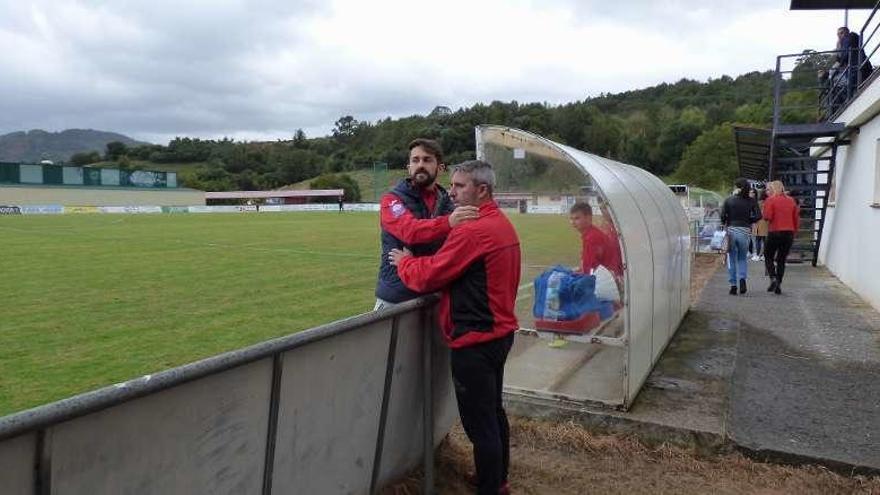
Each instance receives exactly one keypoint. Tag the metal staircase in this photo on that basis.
(803, 158)
(800, 149)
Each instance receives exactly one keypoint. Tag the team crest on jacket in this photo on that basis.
(397, 208)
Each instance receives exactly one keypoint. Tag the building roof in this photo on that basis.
(298, 193)
(832, 4)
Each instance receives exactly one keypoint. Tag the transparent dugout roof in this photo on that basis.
(606, 268)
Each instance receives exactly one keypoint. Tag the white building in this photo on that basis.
(850, 245)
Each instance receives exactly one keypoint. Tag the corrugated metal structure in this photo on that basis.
(643, 300)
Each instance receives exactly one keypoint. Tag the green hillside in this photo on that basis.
(35, 145)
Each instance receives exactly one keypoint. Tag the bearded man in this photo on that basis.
(416, 214)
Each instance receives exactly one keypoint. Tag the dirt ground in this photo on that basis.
(702, 269)
(564, 458)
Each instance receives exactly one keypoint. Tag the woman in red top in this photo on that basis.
(783, 216)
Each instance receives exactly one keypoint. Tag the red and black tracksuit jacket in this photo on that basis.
(478, 270)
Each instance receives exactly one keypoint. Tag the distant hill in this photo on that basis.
(35, 145)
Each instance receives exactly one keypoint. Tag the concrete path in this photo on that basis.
(806, 380)
(792, 377)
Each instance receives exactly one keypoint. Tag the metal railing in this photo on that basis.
(836, 83)
(335, 409)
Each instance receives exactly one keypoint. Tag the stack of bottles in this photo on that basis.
(566, 301)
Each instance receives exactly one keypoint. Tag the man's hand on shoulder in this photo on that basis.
(395, 255)
(463, 214)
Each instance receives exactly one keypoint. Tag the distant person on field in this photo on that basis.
(340, 204)
(738, 213)
(783, 216)
(478, 272)
(416, 214)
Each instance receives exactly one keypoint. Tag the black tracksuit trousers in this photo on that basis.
(775, 252)
(478, 374)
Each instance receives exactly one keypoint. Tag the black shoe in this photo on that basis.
(773, 286)
(732, 290)
(742, 286)
(777, 289)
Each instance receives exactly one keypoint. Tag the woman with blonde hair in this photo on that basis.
(783, 217)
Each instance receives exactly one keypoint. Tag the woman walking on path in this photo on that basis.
(783, 217)
(760, 233)
(738, 214)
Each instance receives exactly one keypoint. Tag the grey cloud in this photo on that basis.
(212, 69)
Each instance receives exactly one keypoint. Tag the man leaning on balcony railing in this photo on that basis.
(840, 83)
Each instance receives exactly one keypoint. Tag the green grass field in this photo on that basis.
(90, 300)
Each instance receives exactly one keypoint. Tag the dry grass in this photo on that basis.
(564, 458)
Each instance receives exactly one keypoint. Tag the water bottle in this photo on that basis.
(552, 304)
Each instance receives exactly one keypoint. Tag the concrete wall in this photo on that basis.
(852, 227)
(85, 196)
(216, 433)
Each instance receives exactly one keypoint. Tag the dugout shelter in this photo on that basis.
(641, 297)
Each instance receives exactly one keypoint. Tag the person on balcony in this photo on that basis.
(850, 63)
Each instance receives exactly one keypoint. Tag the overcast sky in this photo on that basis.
(260, 69)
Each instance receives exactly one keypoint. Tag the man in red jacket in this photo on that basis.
(416, 214)
(478, 271)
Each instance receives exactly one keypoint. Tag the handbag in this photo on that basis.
(720, 241)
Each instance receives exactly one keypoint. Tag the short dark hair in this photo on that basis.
(581, 207)
(430, 145)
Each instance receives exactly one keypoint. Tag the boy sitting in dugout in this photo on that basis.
(597, 247)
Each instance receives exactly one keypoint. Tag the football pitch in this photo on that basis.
(91, 300)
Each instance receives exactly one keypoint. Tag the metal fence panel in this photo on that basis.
(333, 385)
(17, 458)
(404, 431)
(31, 174)
(205, 436)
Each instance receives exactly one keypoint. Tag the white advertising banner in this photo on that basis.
(320, 207)
(222, 208)
(548, 210)
(130, 209)
(42, 210)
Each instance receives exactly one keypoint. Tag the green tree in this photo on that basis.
(339, 181)
(115, 150)
(755, 113)
(710, 161)
(85, 158)
(345, 128)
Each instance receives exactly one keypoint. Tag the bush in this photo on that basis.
(338, 181)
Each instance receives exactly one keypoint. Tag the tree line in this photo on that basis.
(682, 131)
